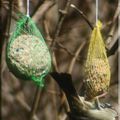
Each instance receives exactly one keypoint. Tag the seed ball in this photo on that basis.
(28, 56)
(97, 78)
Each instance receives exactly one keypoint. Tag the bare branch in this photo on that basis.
(83, 15)
(35, 103)
(41, 10)
(59, 26)
(112, 42)
(72, 63)
(20, 99)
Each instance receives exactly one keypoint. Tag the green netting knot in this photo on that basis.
(38, 81)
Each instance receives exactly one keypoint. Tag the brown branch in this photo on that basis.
(35, 103)
(83, 15)
(55, 67)
(5, 21)
(72, 63)
(20, 99)
(5, 30)
(38, 13)
(58, 29)
(48, 38)
(20, 5)
(112, 47)
(64, 48)
(41, 10)
(14, 15)
(53, 43)
(61, 46)
(113, 36)
(117, 13)
(59, 26)
(53, 92)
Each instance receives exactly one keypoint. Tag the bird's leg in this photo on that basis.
(97, 103)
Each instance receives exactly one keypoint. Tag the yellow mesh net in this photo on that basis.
(97, 70)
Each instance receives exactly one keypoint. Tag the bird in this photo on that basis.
(81, 109)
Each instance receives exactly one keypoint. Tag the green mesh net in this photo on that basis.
(27, 54)
(97, 70)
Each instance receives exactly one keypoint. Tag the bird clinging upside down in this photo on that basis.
(80, 109)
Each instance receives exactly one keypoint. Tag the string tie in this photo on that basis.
(28, 8)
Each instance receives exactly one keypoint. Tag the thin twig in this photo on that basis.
(20, 99)
(35, 103)
(64, 48)
(109, 50)
(67, 50)
(20, 5)
(48, 37)
(112, 45)
(5, 23)
(53, 92)
(55, 62)
(55, 67)
(41, 10)
(72, 63)
(58, 29)
(9, 21)
(5, 30)
(83, 15)
(111, 33)
(61, 46)
(38, 14)
(59, 26)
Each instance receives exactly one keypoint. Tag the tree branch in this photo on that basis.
(59, 26)
(72, 63)
(41, 10)
(113, 36)
(83, 15)
(35, 103)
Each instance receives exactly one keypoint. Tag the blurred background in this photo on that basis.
(67, 35)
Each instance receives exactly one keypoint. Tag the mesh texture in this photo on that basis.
(97, 69)
(27, 54)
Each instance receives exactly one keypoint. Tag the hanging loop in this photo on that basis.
(28, 8)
